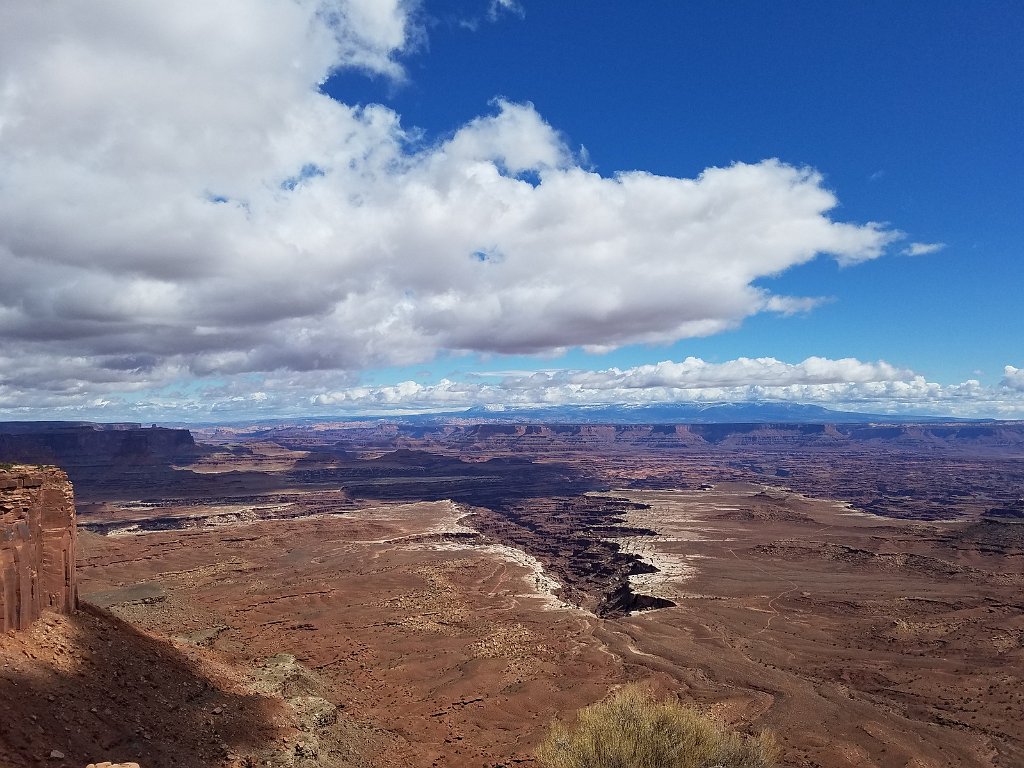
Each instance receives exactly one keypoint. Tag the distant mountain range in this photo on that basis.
(660, 413)
(682, 413)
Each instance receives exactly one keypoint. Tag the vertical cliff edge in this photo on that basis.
(37, 544)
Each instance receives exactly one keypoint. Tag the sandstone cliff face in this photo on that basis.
(79, 447)
(37, 544)
(102, 460)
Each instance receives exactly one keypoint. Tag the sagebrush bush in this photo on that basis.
(632, 729)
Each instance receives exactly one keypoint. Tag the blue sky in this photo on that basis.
(914, 113)
(271, 209)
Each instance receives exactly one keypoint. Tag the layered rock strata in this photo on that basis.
(37, 544)
(101, 459)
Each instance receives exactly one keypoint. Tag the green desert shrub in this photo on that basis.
(632, 729)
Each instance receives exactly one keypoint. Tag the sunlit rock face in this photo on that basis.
(37, 544)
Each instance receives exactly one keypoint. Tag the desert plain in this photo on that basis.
(340, 597)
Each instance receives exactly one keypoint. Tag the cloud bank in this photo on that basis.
(870, 387)
(846, 384)
(179, 201)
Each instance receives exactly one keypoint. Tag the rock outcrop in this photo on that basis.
(102, 460)
(86, 448)
(37, 544)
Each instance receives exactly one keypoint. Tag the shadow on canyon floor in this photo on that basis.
(94, 688)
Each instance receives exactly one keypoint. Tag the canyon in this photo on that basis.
(393, 594)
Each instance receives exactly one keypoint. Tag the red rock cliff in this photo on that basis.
(37, 544)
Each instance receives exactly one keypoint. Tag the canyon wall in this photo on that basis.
(102, 460)
(546, 437)
(82, 447)
(37, 544)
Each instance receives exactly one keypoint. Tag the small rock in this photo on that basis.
(56, 754)
(217, 710)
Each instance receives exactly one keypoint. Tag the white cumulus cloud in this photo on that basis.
(1013, 378)
(922, 249)
(869, 387)
(178, 199)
